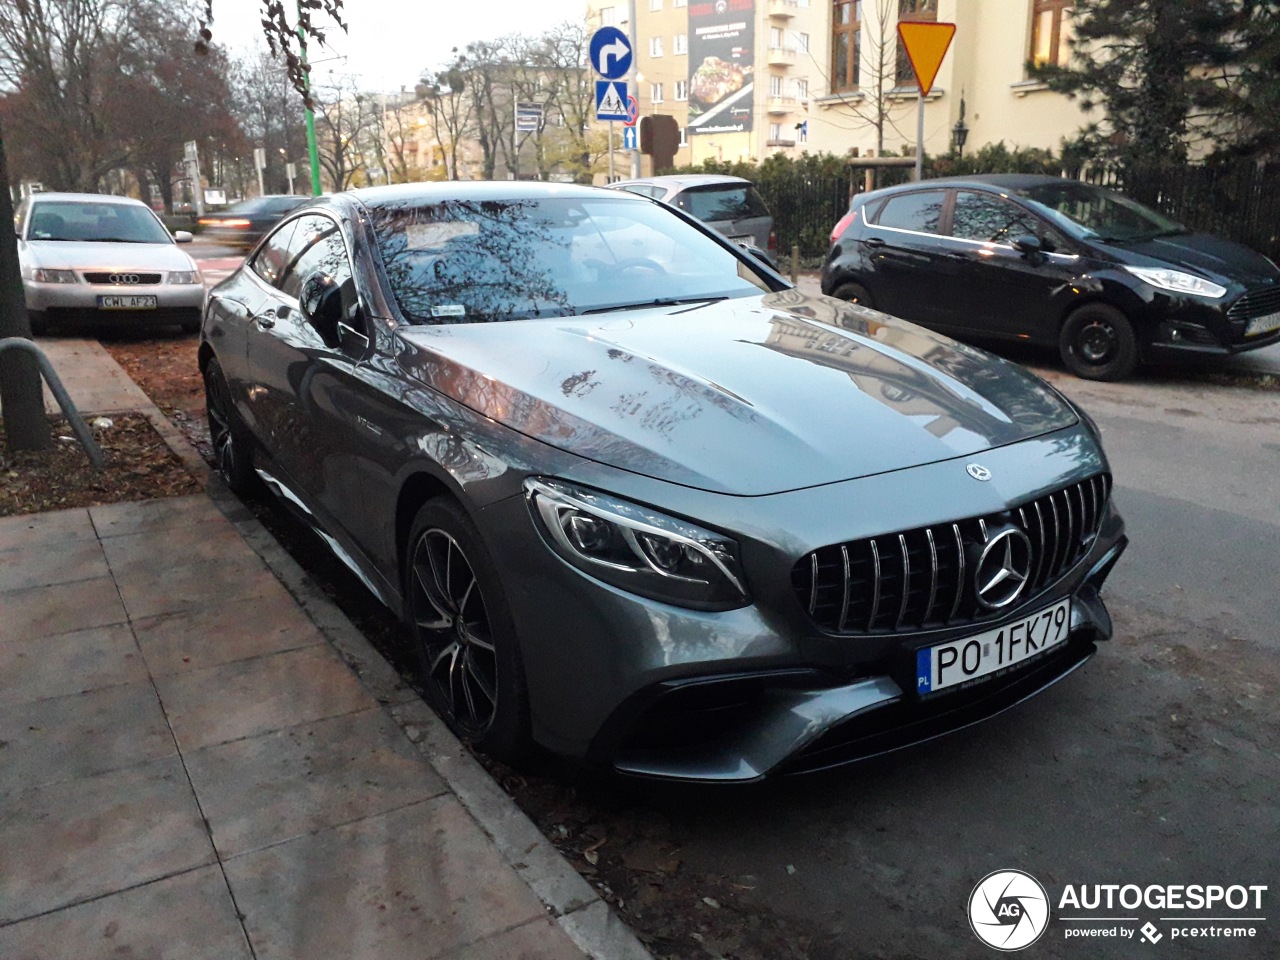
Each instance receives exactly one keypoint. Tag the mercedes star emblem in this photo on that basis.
(1003, 569)
(978, 471)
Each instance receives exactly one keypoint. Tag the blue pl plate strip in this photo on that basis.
(924, 673)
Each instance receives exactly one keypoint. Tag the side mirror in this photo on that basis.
(760, 255)
(182, 236)
(1027, 244)
(320, 301)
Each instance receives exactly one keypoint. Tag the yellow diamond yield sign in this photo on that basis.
(926, 43)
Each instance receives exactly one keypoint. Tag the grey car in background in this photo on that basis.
(638, 501)
(729, 205)
(94, 260)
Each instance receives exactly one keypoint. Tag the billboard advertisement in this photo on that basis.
(721, 54)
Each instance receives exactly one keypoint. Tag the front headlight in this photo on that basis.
(1179, 282)
(637, 549)
(184, 276)
(47, 275)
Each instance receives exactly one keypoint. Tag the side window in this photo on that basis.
(716, 203)
(273, 255)
(643, 190)
(980, 216)
(920, 211)
(318, 247)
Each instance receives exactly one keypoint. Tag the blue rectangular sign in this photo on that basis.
(630, 139)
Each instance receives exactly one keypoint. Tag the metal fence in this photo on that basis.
(1239, 202)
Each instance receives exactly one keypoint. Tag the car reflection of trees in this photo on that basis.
(505, 270)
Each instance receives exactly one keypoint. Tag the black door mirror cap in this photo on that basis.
(320, 300)
(1028, 244)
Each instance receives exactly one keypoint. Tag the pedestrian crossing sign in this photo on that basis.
(611, 100)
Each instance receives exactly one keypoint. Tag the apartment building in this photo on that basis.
(749, 78)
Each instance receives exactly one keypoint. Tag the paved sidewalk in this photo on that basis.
(200, 757)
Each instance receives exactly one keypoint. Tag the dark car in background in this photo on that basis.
(640, 502)
(729, 205)
(1053, 261)
(243, 224)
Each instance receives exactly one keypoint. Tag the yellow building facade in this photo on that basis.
(745, 79)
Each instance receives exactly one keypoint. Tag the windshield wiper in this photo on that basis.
(120, 240)
(660, 302)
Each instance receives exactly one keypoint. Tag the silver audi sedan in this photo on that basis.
(89, 259)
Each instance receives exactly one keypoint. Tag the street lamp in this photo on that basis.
(959, 133)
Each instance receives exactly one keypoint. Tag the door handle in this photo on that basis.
(266, 320)
(873, 242)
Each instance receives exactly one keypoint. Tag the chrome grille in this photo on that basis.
(1256, 303)
(132, 277)
(921, 579)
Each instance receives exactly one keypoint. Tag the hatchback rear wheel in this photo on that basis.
(1097, 343)
(463, 633)
(854, 293)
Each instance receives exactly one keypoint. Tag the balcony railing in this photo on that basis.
(781, 104)
(786, 9)
(782, 56)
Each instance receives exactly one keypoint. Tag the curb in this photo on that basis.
(570, 900)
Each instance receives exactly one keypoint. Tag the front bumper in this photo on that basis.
(661, 691)
(77, 303)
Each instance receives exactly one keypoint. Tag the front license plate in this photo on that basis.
(951, 664)
(126, 303)
(1263, 324)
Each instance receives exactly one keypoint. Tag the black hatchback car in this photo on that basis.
(1047, 260)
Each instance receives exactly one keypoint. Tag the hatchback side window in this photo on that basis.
(715, 203)
(981, 216)
(920, 211)
(273, 256)
(643, 190)
(318, 247)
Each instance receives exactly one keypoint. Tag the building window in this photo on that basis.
(610, 16)
(680, 44)
(846, 42)
(775, 85)
(912, 10)
(802, 131)
(802, 89)
(1051, 31)
(655, 4)
(775, 131)
(775, 38)
(655, 46)
(684, 131)
(655, 92)
(680, 3)
(682, 89)
(803, 44)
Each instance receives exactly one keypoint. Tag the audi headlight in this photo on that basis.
(184, 276)
(1164, 279)
(47, 275)
(637, 549)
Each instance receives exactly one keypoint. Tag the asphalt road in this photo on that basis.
(1159, 762)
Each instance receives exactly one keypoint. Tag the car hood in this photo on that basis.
(78, 255)
(1222, 261)
(747, 396)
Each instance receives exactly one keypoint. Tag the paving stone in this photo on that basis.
(186, 917)
(274, 787)
(43, 667)
(41, 612)
(57, 526)
(76, 736)
(539, 940)
(257, 696)
(412, 884)
(123, 519)
(77, 839)
(46, 564)
(224, 633)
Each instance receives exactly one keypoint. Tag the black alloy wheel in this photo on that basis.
(463, 633)
(232, 456)
(1097, 343)
(854, 293)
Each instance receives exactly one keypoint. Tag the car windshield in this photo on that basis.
(464, 261)
(84, 220)
(1097, 214)
(266, 205)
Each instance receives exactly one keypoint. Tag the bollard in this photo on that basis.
(795, 262)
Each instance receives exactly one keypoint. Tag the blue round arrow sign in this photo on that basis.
(610, 53)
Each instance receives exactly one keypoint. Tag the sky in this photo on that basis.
(390, 43)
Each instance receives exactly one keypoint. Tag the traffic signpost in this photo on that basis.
(610, 53)
(630, 139)
(926, 43)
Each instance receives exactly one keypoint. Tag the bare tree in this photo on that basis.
(452, 108)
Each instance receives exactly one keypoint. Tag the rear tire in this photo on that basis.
(854, 293)
(1097, 343)
(464, 635)
(232, 450)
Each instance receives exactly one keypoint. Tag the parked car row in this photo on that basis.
(1108, 281)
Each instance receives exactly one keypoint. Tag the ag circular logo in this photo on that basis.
(1008, 910)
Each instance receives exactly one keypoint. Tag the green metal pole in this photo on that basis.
(313, 153)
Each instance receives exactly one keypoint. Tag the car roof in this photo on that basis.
(1007, 181)
(88, 198)
(679, 180)
(439, 191)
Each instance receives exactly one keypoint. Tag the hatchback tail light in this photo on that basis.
(773, 242)
(842, 226)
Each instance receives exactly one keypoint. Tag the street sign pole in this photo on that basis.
(919, 136)
(313, 152)
(611, 151)
(259, 164)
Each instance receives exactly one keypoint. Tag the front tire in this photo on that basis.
(232, 452)
(854, 293)
(464, 634)
(1097, 343)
